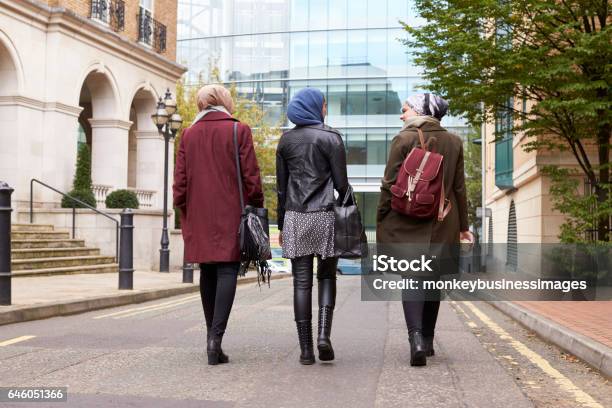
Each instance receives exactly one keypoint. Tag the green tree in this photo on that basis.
(265, 137)
(81, 185)
(553, 54)
(473, 181)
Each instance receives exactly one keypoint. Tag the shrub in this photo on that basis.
(122, 199)
(85, 196)
(81, 185)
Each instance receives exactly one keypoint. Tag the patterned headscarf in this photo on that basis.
(215, 95)
(428, 105)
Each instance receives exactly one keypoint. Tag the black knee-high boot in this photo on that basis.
(304, 328)
(327, 296)
(302, 306)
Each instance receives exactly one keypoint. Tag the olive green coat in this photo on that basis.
(395, 228)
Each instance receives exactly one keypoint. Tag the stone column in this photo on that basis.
(109, 152)
(150, 167)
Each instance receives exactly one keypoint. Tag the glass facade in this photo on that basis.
(352, 51)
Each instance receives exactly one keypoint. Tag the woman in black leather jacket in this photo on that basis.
(310, 164)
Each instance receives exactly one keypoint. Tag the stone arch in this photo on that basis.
(98, 86)
(11, 71)
(11, 80)
(142, 105)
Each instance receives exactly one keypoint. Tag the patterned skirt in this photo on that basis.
(309, 233)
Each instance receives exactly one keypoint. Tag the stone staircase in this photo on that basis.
(38, 249)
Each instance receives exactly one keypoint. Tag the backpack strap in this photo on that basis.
(421, 138)
(443, 210)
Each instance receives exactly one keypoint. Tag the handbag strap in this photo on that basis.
(238, 172)
(348, 194)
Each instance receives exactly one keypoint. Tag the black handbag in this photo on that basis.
(350, 239)
(253, 232)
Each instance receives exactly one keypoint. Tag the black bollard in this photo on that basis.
(5, 243)
(126, 252)
(187, 271)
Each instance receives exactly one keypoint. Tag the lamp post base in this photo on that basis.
(164, 260)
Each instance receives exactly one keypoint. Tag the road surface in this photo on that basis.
(153, 355)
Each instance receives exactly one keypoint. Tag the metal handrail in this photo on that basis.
(110, 217)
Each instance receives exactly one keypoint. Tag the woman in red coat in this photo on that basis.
(206, 193)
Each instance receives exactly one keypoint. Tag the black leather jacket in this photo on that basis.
(310, 163)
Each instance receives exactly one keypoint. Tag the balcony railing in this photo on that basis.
(150, 31)
(111, 12)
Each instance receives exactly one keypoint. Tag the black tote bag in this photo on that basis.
(350, 240)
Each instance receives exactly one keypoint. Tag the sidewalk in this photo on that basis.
(583, 329)
(41, 297)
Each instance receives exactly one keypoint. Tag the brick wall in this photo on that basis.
(165, 11)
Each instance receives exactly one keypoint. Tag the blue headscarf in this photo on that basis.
(306, 107)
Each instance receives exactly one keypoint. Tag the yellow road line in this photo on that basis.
(15, 340)
(154, 309)
(562, 381)
(146, 307)
(467, 317)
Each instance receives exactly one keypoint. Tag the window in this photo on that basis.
(377, 52)
(150, 31)
(356, 148)
(109, 12)
(299, 15)
(318, 15)
(337, 14)
(504, 162)
(298, 55)
(147, 5)
(317, 55)
(356, 100)
(377, 13)
(376, 148)
(100, 10)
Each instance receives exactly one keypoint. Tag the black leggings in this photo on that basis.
(421, 314)
(217, 290)
(302, 269)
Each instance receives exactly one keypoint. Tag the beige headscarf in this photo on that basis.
(215, 95)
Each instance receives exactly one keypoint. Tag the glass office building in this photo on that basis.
(351, 50)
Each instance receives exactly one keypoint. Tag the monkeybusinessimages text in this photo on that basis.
(384, 263)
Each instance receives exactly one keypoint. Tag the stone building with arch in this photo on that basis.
(90, 72)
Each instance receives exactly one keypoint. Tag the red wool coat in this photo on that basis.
(206, 187)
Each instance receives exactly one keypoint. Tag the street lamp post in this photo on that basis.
(168, 121)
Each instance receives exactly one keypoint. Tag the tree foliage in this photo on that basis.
(473, 182)
(554, 54)
(265, 137)
(81, 185)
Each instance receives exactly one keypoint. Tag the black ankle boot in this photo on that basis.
(214, 352)
(304, 328)
(418, 355)
(429, 346)
(326, 351)
(223, 358)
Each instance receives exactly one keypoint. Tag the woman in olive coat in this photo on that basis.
(425, 111)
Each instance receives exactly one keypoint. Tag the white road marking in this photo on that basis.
(127, 311)
(15, 340)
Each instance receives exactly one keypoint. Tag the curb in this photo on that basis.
(54, 309)
(590, 351)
